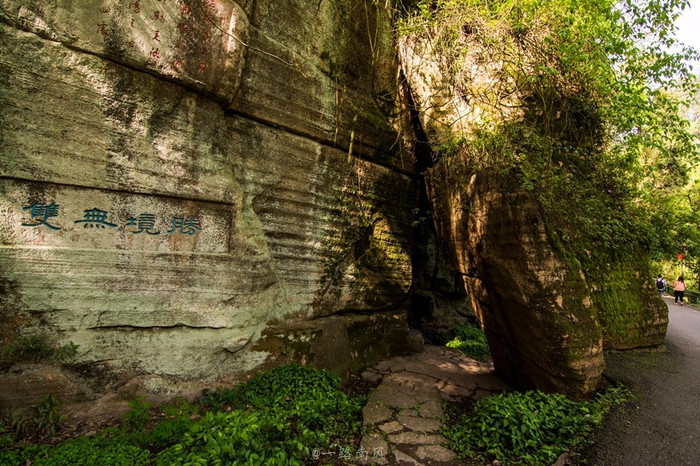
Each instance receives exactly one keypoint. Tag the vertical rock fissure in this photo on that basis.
(438, 297)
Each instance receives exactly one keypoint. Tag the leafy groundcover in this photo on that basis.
(528, 428)
(276, 418)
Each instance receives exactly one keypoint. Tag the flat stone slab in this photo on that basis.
(372, 376)
(435, 453)
(405, 391)
(450, 391)
(444, 366)
(431, 409)
(375, 412)
(419, 424)
(416, 438)
(412, 381)
(391, 427)
(376, 447)
(404, 459)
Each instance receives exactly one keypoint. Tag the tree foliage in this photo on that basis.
(574, 98)
(671, 196)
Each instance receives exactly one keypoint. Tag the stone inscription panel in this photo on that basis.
(35, 214)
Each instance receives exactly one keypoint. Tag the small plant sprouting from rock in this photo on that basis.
(7, 438)
(32, 347)
(137, 417)
(43, 419)
(66, 352)
(37, 346)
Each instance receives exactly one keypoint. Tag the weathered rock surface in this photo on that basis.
(176, 176)
(200, 45)
(535, 308)
(629, 308)
(545, 321)
(191, 190)
(342, 343)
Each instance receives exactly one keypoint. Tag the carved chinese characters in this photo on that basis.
(95, 219)
(40, 214)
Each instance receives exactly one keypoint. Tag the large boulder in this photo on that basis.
(533, 304)
(546, 311)
(629, 308)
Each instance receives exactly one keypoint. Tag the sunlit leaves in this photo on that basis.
(582, 95)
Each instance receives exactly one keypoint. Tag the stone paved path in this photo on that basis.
(404, 414)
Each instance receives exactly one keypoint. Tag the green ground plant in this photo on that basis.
(275, 418)
(470, 340)
(530, 428)
(91, 451)
(30, 347)
(43, 419)
(179, 419)
(137, 417)
(48, 417)
(7, 438)
(297, 402)
(66, 352)
(35, 347)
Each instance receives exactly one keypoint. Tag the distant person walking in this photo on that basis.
(660, 285)
(679, 290)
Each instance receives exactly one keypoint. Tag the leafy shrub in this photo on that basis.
(45, 418)
(531, 427)
(605, 401)
(277, 417)
(280, 417)
(24, 456)
(31, 347)
(48, 417)
(21, 423)
(66, 352)
(7, 438)
(296, 395)
(37, 346)
(179, 419)
(470, 340)
(137, 417)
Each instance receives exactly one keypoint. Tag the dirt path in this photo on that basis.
(661, 427)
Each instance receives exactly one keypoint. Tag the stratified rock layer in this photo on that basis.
(191, 190)
(175, 176)
(628, 304)
(534, 307)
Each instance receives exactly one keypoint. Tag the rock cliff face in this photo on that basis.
(177, 177)
(194, 189)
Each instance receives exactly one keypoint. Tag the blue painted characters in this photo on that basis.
(47, 215)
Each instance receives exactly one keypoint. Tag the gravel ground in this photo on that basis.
(661, 426)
